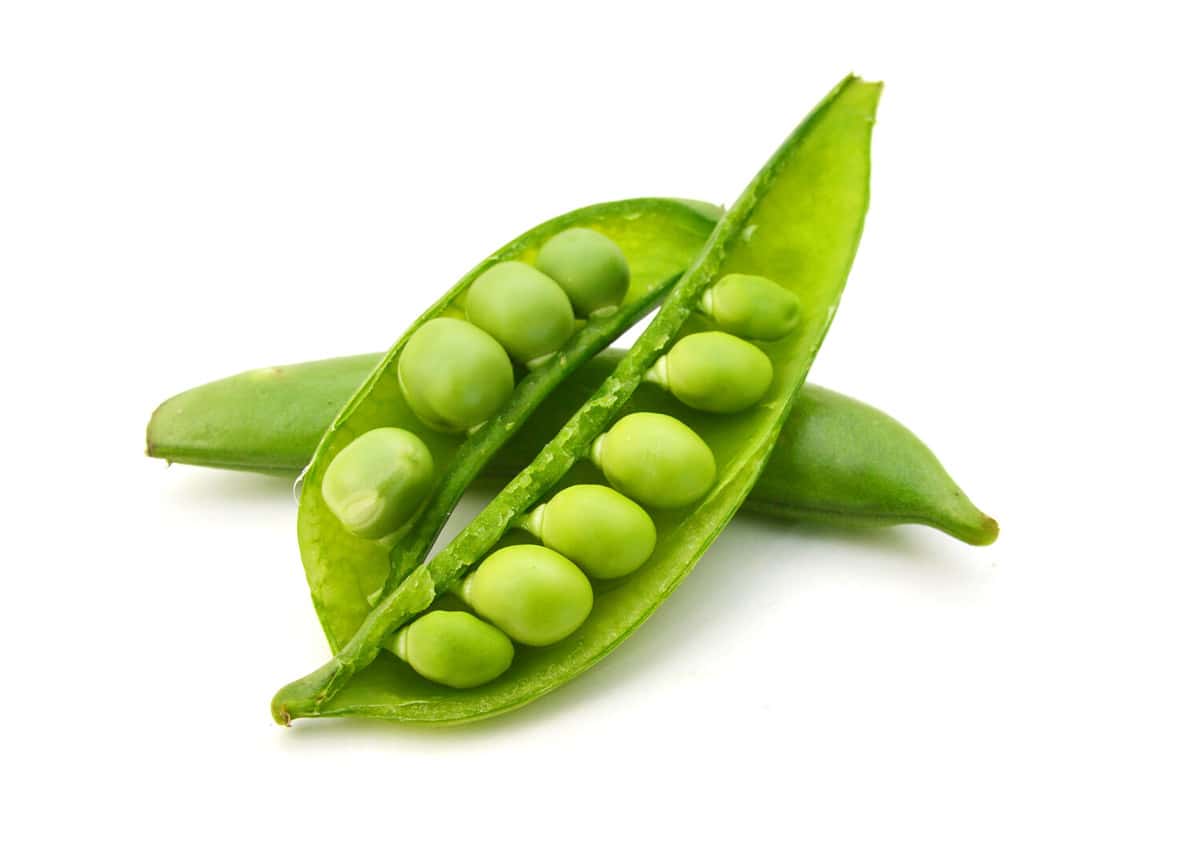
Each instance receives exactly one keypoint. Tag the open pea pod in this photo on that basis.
(798, 224)
(658, 238)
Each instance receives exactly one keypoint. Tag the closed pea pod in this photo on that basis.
(533, 593)
(714, 372)
(454, 375)
(657, 460)
(590, 268)
(751, 306)
(453, 648)
(378, 480)
(601, 530)
(522, 308)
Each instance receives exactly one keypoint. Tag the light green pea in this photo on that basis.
(751, 306)
(714, 372)
(376, 482)
(605, 533)
(589, 267)
(522, 308)
(454, 375)
(453, 648)
(534, 594)
(655, 459)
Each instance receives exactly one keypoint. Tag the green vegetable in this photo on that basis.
(589, 267)
(837, 460)
(522, 308)
(453, 648)
(605, 533)
(378, 480)
(656, 459)
(714, 372)
(454, 375)
(751, 306)
(797, 223)
(533, 593)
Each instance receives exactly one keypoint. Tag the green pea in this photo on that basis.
(453, 648)
(376, 482)
(655, 459)
(714, 372)
(534, 594)
(589, 267)
(522, 308)
(605, 533)
(751, 306)
(454, 375)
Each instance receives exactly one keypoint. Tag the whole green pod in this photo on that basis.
(605, 533)
(714, 372)
(522, 308)
(453, 648)
(657, 460)
(454, 375)
(375, 483)
(751, 307)
(533, 593)
(590, 268)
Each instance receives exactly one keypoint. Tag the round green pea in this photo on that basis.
(534, 594)
(714, 372)
(522, 308)
(657, 460)
(454, 375)
(605, 533)
(453, 648)
(589, 267)
(751, 306)
(376, 482)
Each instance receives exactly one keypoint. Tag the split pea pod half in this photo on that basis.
(459, 382)
(808, 203)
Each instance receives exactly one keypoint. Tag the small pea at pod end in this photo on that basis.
(522, 308)
(605, 533)
(375, 483)
(656, 460)
(751, 307)
(589, 266)
(714, 372)
(454, 375)
(453, 648)
(535, 595)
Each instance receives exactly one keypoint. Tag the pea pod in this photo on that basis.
(658, 239)
(798, 224)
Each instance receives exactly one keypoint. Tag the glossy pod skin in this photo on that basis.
(837, 461)
(808, 204)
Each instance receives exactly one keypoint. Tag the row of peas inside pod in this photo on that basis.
(538, 595)
(456, 374)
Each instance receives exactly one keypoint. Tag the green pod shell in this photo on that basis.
(752, 307)
(522, 308)
(837, 460)
(378, 480)
(655, 459)
(453, 648)
(605, 533)
(454, 375)
(590, 268)
(714, 372)
(534, 594)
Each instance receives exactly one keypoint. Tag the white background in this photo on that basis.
(189, 190)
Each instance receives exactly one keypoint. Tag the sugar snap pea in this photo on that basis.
(798, 224)
(837, 460)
